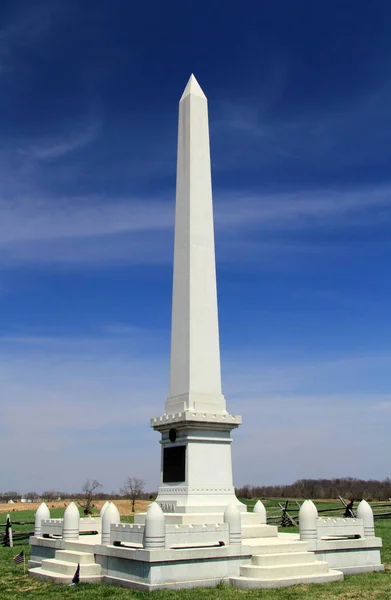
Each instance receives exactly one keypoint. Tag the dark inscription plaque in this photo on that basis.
(174, 464)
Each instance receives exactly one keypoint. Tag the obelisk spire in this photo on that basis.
(195, 377)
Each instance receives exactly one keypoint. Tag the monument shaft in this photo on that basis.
(195, 379)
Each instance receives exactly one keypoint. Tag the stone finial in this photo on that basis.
(308, 515)
(154, 532)
(261, 511)
(110, 515)
(365, 512)
(233, 518)
(71, 523)
(41, 514)
(102, 510)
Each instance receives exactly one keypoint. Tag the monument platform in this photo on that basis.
(257, 562)
(157, 554)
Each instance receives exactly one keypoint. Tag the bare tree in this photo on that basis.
(33, 496)
(6, 496)
(89, 489)
(133, 489)
(50, 495)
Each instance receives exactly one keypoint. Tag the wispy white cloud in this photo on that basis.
(325, 375)
(30, 219)
(117, 335)
(300, 210)
(123, 329)
(139, 230)
(61, 146)
(345, 134)
(94, 252)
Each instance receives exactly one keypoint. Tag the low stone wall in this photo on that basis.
(175, 535)
(54, 527)
(181, 535)
(332, 528)
(127, 533)
(349, 545)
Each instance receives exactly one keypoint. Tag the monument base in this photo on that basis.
(196, 466)
(257, 563)
(181, 550)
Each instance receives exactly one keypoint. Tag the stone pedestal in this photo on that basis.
(196, 467)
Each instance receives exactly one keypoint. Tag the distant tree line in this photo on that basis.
(347, 487)
(52, 496)
(131, 492)
(11, 495)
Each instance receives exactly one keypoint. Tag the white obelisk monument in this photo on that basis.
(196, 469)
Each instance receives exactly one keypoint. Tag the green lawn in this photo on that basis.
(372, 586)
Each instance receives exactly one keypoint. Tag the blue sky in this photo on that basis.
(300, 120)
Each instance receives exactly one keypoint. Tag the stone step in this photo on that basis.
(251, 518)
(257, 530)
(278, 546)
(282, 558)
(82, 546)
(280, 571)
(61, 578)
(69, 568)
(248, 583)
(75, 557)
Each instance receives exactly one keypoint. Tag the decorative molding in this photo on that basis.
(196, 420)
(189, 490)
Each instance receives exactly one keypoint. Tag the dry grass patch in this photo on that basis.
(124, 506)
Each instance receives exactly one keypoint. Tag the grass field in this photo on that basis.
(14, 584)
